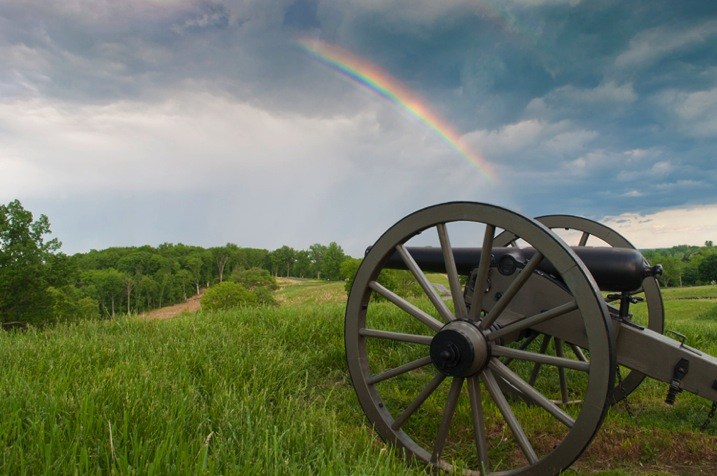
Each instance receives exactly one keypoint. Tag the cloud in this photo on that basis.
(202, 119)
(637, 169)
(191, 141)
(667, 228)
(296, 179)
(209, 15)
(530, 139)
(607, 98)
(651, 46)
(692, 111)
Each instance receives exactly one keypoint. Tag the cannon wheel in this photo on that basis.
(650, 287)
(458, 418)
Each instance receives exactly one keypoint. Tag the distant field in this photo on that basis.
(294, 292)
(266, 391)
(694, 292)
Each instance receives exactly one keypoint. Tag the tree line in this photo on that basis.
(686, 265)
(40, 284)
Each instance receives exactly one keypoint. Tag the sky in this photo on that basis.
(267, 122)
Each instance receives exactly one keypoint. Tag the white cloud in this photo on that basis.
(650, 46)
(531, 139)
(639, 168)
(602, 95)
(667, 228)
(194, 141)
(692, 111)
(242, 174)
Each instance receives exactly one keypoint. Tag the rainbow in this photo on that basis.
(381, 83)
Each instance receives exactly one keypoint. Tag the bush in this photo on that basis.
(348, 271)
(399, 281)
(228, 295)
(254, 278)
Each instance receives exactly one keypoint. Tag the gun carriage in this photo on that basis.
(512, 368)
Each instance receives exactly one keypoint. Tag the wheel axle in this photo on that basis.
(460, 349)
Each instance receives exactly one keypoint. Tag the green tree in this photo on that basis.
(227, 295)
(147, 293)
(108, 286)
(708, 268)
(144, 261)
(184, 281)
(316, 255)
(254, 278)
(199, 263)
(24, 271)
(673, 269)
(224, 257)
(251, 258)
(69, 304)
(331, 263)
(302, 264)
(348, 271)
(282, 260)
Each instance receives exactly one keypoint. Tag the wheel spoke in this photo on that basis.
(536, 367)
(584, 238)
(482, 274)
(401, 369)
(397, 336)
(531, 321)
(452, 272)
(520, 437)
(561, 371)
(560, 362)
(422, 316)
(523, 345)
(425, 284)
(512, 290)
(448, 412)
(578, 352)
(418, 401)
(478, 422)
(531, 392)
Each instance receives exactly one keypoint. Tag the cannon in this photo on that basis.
(511, 366)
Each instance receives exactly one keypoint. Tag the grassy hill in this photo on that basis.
(266, 391)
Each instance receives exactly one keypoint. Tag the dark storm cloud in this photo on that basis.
(302, 15)
(593, 108)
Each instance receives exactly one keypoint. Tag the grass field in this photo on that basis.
(266, 391)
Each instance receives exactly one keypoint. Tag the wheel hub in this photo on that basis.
(460, 349)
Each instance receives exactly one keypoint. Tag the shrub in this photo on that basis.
(265, 296)
(254, 278)
(228, 295)
(399, 281)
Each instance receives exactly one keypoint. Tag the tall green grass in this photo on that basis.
(263, 391)
(252, 392)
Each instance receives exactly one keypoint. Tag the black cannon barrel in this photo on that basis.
(614, 269)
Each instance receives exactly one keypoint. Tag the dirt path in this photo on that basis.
(190, 305)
